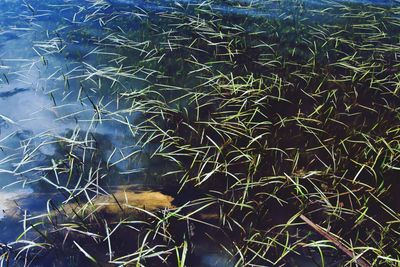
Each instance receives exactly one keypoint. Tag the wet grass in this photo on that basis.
(276, 132)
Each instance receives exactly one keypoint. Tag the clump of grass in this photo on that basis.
(304, 130)
(280, 133)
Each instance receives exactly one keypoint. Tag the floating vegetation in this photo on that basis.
(201, 133)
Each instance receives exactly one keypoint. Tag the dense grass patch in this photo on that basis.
(274, 124)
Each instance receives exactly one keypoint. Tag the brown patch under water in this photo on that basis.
(123, 202)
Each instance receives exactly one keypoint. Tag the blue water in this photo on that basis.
(45, 48)
(41, 103)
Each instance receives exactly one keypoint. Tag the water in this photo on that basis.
(61, 99)
(38, 106)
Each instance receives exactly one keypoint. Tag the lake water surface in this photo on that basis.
(64, 73)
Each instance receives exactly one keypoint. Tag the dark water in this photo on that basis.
(48, 49)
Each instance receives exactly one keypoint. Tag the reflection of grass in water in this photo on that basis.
(269, 124)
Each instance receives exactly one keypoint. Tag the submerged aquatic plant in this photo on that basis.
(273, 124)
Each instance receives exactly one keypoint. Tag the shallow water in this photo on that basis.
(38, 106)
(46, 96)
